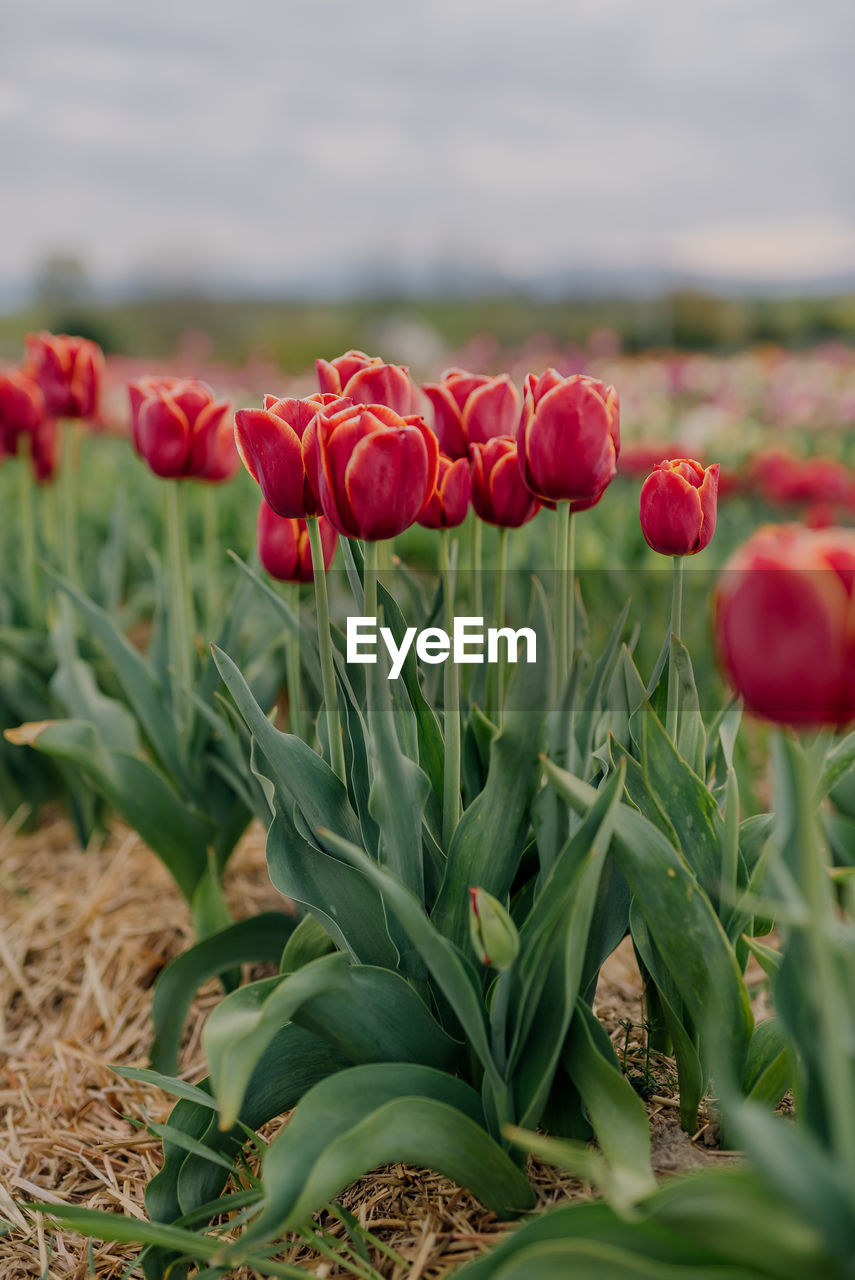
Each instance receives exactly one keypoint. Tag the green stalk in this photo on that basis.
(825, 976)
(68, 498)
(180, 620)
(477, 554)
(676, 622)
(451, 704)
(371, 572)
(27, 517)
(211, 539)
(502, 569)
(326, 650)
(295, 693)
(562, 550)
(571, 585)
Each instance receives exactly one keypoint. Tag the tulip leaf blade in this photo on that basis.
(374, 1114)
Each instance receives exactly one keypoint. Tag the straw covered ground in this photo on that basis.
(83, 935)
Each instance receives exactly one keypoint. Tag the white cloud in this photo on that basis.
(271, 136)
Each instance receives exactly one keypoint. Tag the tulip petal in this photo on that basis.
(447, 422)
(164, 436)
(568, 445)
(270, 451)
(387, 482)
(492, 409)
(383, 384)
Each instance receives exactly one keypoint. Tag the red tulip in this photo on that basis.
(181, 431)
(377, 470)
(449, 502)
(22, 414)
(367, 380)
(569, 438)
(498, 494)
(678, 507)
(283, 545)
(472, 409)
(785, 625)
(277, 446)
(69, 371)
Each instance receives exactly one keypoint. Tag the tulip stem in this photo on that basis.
(180, 619)
(210, 512)
(295, 693)
(68, 492)
(451, 703)
(571, 585)
(477, 560)
(502, 569)
(325, 646)
(562, 552)
(676, 621)
(28, 531)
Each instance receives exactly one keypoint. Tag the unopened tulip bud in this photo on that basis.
(493, 932)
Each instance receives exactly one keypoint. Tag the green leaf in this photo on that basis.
(374, 1115)
(768, 1069)
(308, 942)
(617, 1114)
(489, 839)
(443, 960)
(688, 804)
(294, 1062)
(369, 1014)
(691, 735)
(74, 685)
(553, 946)
(145, 694)
(259, 939)
(171, 828)
(681, 920)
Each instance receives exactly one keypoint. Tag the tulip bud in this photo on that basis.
(784, 612)
(679, 501)
(569, 438)
(283, 545)
(277, 447)
(498, 493)
(367, 380)
(377, 470)
(449, 503)
(180, 430)
(69, 371)
(472, 409)
(494, 935)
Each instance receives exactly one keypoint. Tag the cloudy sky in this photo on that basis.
(292, 142)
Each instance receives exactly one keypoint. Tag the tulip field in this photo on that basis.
(488, 737)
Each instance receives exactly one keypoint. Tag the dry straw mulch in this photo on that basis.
(83, 935)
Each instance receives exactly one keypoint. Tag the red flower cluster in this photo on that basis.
(181, 430)
(358, 452)
(784, 615)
